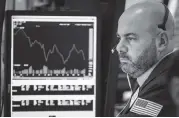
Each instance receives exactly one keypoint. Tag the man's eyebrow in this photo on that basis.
(128, 34)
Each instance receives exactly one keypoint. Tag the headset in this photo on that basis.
(161, 26)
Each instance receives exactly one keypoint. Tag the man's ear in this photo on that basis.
(162, 41)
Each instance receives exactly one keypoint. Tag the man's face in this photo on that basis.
(136, 47)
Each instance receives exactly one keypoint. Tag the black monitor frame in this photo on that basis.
(8, 54)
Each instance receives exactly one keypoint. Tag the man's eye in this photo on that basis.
(130, 38)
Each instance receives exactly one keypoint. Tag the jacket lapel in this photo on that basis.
(126, 108)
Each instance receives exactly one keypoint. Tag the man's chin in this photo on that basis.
(126, 68)
(130, 70)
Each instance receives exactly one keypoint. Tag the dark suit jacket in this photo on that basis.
(157, 88)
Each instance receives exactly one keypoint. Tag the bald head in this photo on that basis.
(144, 33)
(148, 15)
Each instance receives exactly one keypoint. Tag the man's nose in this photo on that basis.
(122, 46)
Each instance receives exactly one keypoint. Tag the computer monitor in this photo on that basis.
(53, 67)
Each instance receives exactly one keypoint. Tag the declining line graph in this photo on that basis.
(51, 51)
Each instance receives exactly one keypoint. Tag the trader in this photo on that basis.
(146, 53)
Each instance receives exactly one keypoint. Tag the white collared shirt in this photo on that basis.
(141, 79)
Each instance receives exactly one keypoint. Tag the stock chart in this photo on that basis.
(51, 49)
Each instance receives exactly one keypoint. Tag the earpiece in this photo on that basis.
(113, 49)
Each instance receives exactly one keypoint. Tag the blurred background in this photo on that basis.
(114, 88)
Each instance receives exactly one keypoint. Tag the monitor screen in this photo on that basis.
(53, 65)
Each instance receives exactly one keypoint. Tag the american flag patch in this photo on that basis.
(146, 107)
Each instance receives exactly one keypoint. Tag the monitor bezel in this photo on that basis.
(8, 24)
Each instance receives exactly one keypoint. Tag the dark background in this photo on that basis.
(2, 9)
